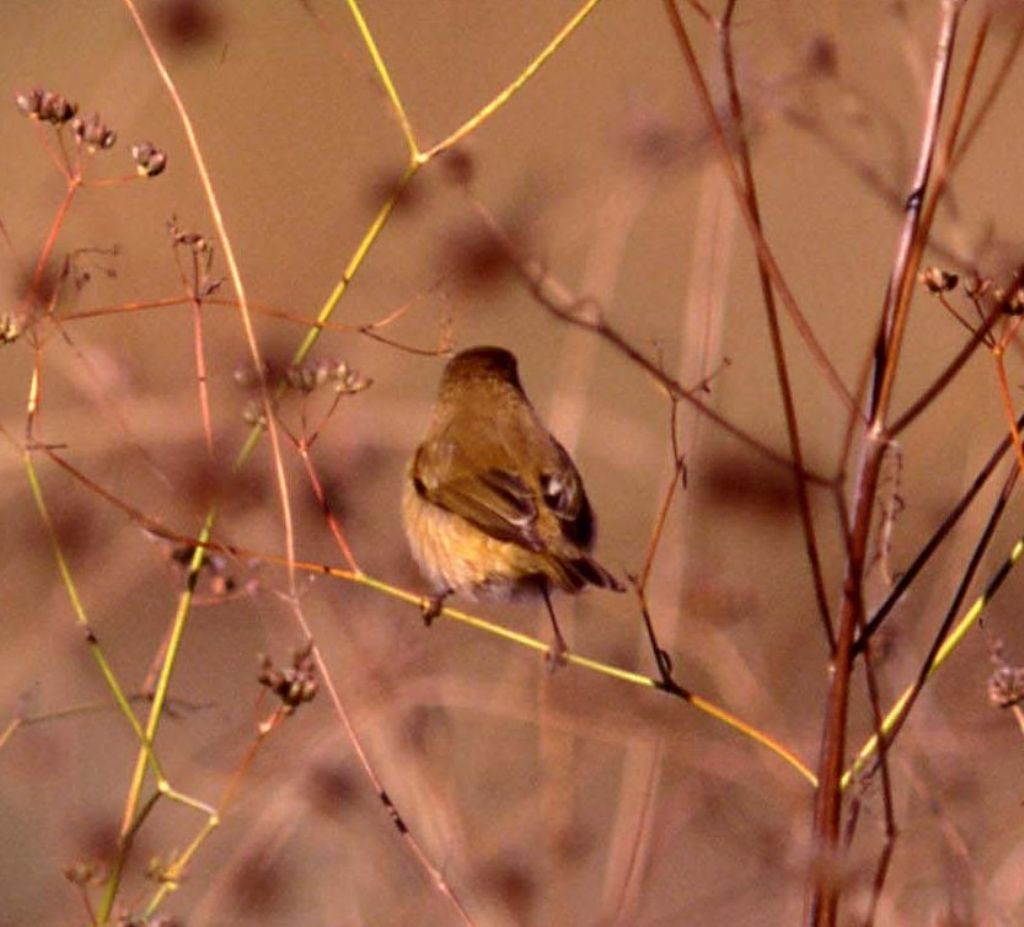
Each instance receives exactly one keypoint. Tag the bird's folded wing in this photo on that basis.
(497, 501)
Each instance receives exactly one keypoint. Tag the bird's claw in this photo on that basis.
(430, 608)
(556, 655)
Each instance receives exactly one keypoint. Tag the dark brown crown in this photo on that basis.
(483, 361)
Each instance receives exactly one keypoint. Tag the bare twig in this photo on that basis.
(823, 889)
(563, 304)
(775, 331)
(765, 254)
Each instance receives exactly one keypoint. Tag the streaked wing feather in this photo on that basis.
(564, 496)
(496, 501)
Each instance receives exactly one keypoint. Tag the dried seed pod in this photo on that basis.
(92, 132)
(293, 685)
(1006, 686)
(253, 414)
(28, 103)
(937, 280)
(308, 376)
(56, 108)
(1015, 302)
(46, 106)
(10, 328)
(348, 380)
(150, 161)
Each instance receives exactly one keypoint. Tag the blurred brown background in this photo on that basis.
(544, 799)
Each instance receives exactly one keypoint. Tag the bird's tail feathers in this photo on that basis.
(572, 573)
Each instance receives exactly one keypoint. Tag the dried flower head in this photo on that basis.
(294, 684)
(93, 132)
(196, 243)
(253, 413)
(976, 287)
(46, 106)
(1006, 686)
(1014, 302)
(347, 380)
(246, 376)
(10, 328)
(308, 376)
(314, 373)
(937, 280)
(150, 161)
(83, 873)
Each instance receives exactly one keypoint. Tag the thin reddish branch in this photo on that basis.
(202, 381)
(992, 94)
(74, 183)
(678, 478)
(764, 251)
(337, 531)
(564, 305)
(916, 224)
(946, 377)
(775, 332)
(823, 889)
(1004, 391)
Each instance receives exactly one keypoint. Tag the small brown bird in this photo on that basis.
(494, 506)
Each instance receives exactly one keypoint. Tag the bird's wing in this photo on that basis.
(496, 500)
(563, 495)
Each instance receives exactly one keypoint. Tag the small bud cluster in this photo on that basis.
(307, 377)
(196, 243)
(253, 414)
(46, 106)
(981, 291)
(150, 161)
(937, 280)
(1006, 686)
(83, 873)
(202, 283)
(1014, 302)
(10, 328)
(294, 684)
(214, 563)
(89, 129)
